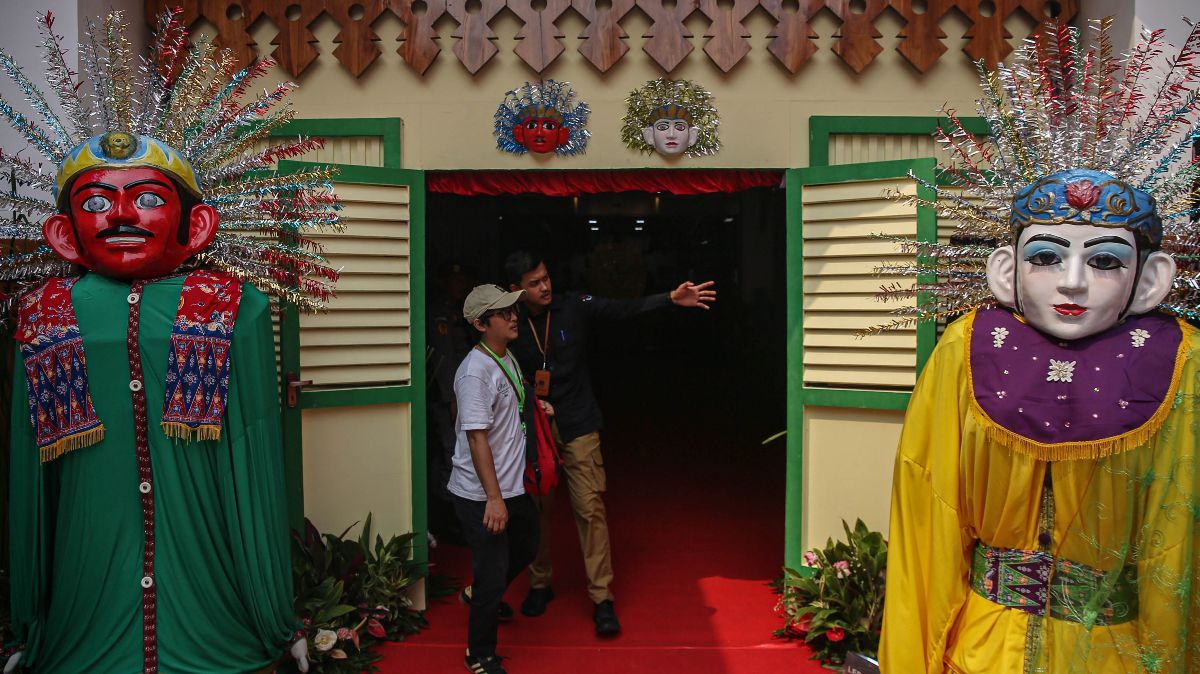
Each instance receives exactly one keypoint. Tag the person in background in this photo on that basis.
(552, 340)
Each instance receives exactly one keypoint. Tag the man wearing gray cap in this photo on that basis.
(498, 518)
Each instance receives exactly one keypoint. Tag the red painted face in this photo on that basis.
(125, 223)
(541, 134)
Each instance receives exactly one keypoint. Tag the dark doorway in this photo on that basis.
(688, 396)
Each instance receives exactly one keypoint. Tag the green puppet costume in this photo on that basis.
(222, 556)
(148, 510)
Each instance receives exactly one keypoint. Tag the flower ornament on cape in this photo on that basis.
(542, 117)
(184, 110)
(666, 101)
(1061, 371)
(1078, 135)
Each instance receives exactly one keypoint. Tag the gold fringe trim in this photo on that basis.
(175, 429)
(72, 443)
(1084, 449)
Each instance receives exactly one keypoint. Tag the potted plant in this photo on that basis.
(835, 602)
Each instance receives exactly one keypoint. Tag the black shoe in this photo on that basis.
(606, 619)
(503, 614)
(485, 665)
(535, 604)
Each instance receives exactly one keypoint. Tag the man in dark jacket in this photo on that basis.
(552, 344)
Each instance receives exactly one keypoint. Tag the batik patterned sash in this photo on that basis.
(1037, 583)
(60, 405)
(198, 366)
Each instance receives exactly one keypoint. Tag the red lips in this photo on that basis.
(1070, 309)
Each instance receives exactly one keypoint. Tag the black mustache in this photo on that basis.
(125, 230)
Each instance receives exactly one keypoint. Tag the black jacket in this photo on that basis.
(571, 314)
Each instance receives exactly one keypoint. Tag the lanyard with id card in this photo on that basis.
(541, 378)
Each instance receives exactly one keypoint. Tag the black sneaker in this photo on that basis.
(503, 614)
(606, 619)
(484, 665)
(535, 604)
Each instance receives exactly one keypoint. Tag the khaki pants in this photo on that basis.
(583, 468)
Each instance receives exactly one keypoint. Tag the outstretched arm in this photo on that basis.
(688, 294)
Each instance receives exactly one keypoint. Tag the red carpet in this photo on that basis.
(696, 521)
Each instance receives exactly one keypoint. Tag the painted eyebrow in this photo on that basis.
(103, 186)
(147, 181)
(1055, 239)
(1106, 239)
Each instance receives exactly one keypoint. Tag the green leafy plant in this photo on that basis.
(835, 603)
(352, 594)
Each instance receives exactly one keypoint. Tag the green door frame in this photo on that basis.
(822, 127)
(799, 396)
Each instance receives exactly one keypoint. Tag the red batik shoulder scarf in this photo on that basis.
(197, 385)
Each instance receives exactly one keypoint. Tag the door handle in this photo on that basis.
(294, 385)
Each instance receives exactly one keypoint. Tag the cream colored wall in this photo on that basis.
(764, 109)
(848, 455)
(358, 460)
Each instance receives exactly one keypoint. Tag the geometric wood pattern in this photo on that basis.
(602, 42)
(668, 44)
(420, 46)
(474, 47)
(728, 44)
(857, 45)
(539, 44)
(792, 42)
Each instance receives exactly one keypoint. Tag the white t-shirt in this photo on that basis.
(486, 400)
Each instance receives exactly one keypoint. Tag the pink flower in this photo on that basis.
(375, 629)
(1082, 195)
(843, 568)
(810, 559)
(345, 633)
(805, 623)
(836, 634)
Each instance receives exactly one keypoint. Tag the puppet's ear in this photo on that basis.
(1001, 268)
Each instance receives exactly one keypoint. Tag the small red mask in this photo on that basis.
(541, 134)
(125, 223)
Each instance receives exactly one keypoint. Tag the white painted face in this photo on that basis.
(671, 136)
(1074, 281)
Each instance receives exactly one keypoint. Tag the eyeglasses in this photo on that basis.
(507, 312)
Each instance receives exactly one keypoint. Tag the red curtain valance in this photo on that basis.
(572, 183)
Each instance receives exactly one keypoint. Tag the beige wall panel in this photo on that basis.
(354, 376)
(357, 150)
(843, 284)
(857, 190)
(849, 321)
(855, 148)
(357, 461)
(364, 336)
(764, 110)
(866, 375)
(880, 356)
(847, 480)
(893, 339)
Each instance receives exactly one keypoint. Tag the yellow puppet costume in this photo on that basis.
(1045, 495)
(957, 486)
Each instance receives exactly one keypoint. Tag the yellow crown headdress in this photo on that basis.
(182, 112)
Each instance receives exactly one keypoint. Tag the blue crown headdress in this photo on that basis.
(1075, 137)
(547, 98)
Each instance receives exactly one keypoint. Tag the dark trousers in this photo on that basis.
(496, 559)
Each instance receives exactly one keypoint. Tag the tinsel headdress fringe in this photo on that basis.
(191, 98)
(1056, 106)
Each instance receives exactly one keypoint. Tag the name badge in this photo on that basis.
(541, 383)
